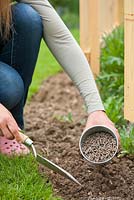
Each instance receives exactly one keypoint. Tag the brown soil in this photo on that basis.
(56, 138)
(99, 147)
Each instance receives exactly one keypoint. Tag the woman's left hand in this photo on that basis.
(100, 118)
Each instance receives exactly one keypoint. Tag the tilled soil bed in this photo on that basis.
(55, 120)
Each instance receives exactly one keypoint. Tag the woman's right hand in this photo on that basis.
(8, 125)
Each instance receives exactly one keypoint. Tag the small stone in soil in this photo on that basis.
(99, 147)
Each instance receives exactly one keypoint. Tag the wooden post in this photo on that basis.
(95, 36)
(129, 60)
(84, 28)
(111, 14)
(89, 32)
(119, 12)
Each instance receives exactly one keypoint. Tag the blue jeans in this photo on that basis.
(18, 58)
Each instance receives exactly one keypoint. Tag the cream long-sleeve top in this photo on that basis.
(68, 53)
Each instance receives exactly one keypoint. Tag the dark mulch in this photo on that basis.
(59, 141)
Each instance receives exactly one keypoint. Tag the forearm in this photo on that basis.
(68, 53)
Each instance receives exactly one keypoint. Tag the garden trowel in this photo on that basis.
(44, 161)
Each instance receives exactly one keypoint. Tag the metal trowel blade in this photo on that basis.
(49, 164)
(28, 142)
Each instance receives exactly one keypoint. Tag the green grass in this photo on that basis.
(46, 66)
(19, 179)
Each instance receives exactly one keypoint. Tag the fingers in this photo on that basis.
(6, 132)
(112, 127)
(118, 136)
(14, 131)
(8, 125)
(4, 129)
(13, 128)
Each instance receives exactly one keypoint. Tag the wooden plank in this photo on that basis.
(95, 36)
(107, 12)
(119, 12)
(84, 27)
(111, 15)
(129, 60)
(89, 35)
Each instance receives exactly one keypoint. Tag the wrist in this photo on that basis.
(96, 112)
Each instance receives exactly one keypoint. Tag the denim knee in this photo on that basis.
(11, 86)
(27, 19)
